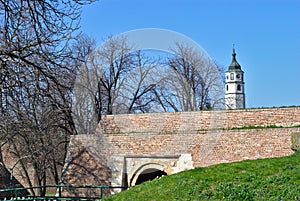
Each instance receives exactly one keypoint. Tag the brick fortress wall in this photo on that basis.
(213, 134)
(211, 137)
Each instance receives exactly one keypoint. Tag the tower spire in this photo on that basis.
(234, 64)
(233, 50)
(235, 94)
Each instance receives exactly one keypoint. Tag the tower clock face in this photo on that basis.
(238, 76)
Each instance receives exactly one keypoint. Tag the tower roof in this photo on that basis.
(234, 66)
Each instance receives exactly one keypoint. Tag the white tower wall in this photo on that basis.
(234, 88)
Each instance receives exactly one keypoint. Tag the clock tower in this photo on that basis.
(234, 88)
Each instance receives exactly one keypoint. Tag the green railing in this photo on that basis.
(59, 189)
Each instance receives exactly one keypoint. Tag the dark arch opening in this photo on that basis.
(149, 174)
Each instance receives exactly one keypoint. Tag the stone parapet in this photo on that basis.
(199, 121)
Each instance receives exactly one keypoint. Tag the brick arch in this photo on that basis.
(144, 168)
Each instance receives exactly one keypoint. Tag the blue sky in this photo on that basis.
(266, 34)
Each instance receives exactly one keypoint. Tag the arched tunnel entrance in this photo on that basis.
(149, 174)
(140, 168)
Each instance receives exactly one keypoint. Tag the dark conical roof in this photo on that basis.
(234, 66)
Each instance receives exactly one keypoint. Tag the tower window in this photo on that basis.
(231, 76)
(226, 87)
(239, 87)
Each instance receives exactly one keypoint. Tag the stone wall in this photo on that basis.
(296, 141)
(197, 121)
(177, 141)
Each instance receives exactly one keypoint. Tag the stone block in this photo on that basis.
(296, 141)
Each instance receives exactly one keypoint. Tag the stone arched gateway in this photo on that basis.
(148, 172)
(140, 168)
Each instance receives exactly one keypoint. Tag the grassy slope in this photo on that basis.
(267, 179)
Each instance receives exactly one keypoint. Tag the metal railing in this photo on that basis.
(15, 192)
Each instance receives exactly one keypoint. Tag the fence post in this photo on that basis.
(59, 190)
(101, 192)
(16, 193)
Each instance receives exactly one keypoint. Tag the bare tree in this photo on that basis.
(190, 82)
(98, 82)
(83, 100)
(36, 72)
(137, 92)
(115, 78)
(116, 60)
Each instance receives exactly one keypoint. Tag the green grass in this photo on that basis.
(262, 127)
(248, 127)
(263, 179)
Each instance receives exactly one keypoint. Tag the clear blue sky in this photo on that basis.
(266, 34)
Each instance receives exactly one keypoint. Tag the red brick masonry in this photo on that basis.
(210, 137)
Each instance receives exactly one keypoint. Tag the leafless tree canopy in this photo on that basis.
(116, 78)
(37, 69)
(191, 81)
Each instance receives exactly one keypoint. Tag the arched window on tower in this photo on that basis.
(239, 88)
(226, 87)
